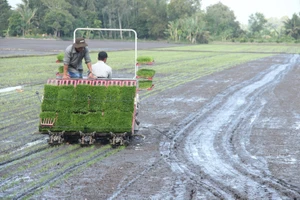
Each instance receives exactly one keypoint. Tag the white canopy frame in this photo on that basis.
(111, 29)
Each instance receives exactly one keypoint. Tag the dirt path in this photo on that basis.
(233, 135)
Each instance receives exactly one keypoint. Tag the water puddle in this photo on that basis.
(9, 89)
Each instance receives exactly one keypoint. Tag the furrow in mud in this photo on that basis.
(35, 162)
(206, 139)
(20, 157)
(30, 156)
(43, 180)
(17, 131)
(61, 174)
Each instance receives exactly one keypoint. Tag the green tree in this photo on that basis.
(221, 21)
(173, 31)
(182, 8)
(85, 12)
(192, 29)
(60, 22)
(26, 14)
(137, 20)
(195, 29)
(57, 4)
(155, 18)
(123, 8)
(58, 19)
(5, 13)
(256, 22)
(15, 27)
(37, 22)
(292, 26)
(147, 17)
(89, 5)
(110, 13)
(114, 14)
(274, 28)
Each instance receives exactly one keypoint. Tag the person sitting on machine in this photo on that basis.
(101, 69)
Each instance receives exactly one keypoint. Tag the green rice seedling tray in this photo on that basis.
(145, 60)
(88, 108)
(145, 85)
(60, 57)
(145, 74)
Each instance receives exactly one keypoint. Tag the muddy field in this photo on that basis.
(230, 135)
(23, 47)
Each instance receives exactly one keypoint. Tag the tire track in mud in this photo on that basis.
(208, 150)
(136, 177)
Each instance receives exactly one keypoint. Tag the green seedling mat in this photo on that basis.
(145, 73)
(60, 56)
(144, 59)
(88, 108)
(145, 84)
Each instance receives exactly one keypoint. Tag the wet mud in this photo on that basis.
(231, 135)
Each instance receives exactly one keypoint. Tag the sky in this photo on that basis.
(244, 8)
(270, 8)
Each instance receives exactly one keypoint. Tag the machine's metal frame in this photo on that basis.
(112, 29)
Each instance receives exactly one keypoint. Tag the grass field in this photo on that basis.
(181, 60)
(173, 66)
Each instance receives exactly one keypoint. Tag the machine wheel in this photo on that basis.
(56, 138)
(120, 139)
(87, 139)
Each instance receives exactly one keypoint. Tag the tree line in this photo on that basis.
(174, 20)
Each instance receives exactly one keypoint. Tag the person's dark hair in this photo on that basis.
(102, 55)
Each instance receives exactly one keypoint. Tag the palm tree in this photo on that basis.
(26, 15)
(173, 29)
(292, 26)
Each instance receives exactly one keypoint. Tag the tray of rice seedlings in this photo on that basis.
(145, 60)
(60, 72)
(146, 85)
(61, 69)
(70, 109)
(145, 74)
(60, 57)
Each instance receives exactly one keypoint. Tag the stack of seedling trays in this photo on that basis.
(60, 58)
(145, 76)
(88, 108)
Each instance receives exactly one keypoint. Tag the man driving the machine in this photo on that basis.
(101, 69)
(73, 57)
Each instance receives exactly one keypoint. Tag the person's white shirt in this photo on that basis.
(101, 70)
